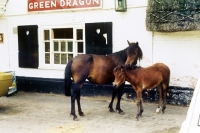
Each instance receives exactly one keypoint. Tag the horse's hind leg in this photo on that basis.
(79, 104)
(160, 104)
(164, 97)
(75, 95)
(119, 95)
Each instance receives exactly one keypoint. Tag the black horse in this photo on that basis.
(98, 69)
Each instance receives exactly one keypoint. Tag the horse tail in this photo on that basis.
(166, 77)
(67, 80)
(169, 73)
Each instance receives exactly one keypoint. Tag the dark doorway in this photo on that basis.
(98, 38)
(28, 46)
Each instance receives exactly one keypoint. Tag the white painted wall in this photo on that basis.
(181, 52)
(4, 52)
(178, 50)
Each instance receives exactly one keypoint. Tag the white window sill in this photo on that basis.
(52, 68)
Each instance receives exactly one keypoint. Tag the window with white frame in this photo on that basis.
(61, 45)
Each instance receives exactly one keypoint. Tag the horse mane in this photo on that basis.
(140, 53)
(130, 67)
(129, 50)
(117, 68)
(126, 67)
(132, 47)
(121, 54)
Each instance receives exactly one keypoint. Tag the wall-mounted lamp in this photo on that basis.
(120, 6)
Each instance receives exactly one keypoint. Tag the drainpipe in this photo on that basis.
(152, 45)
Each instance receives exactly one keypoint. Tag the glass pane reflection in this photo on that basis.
(70, 47)
(63, 58)
(56, 58)
(47, 58)
(70, 56)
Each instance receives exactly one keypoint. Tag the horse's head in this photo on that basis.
(119, 76)
(133, 53)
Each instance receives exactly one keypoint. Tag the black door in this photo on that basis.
(98, 38)
(28, 46)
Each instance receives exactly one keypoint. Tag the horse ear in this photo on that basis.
(128, 42)
(137, 43)
(122, 67)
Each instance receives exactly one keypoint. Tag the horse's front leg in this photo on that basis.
(119, 96)
(110, 106)
(138, 107)
(141, 107)
(139, 104)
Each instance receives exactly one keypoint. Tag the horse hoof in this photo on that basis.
(75, 119)
(158, 110)
(121, 113)
(81, 114)
(111, 110)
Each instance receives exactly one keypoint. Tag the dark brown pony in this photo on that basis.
(157, 75)
(97, 69)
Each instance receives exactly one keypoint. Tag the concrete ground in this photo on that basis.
(49, 113)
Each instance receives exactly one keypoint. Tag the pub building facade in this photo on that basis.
(41, 36)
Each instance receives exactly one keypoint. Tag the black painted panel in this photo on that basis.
(28, 46)
(176, 95)
(97, 43)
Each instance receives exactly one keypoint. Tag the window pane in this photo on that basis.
(80, 47)
(46, 35)
(47, 46)
(63, 47)
(79, 33)
(55, 46)
(70, 56)
(63, 33)
(47, 58)
(63, 58)
(56, 58)
(70, 47)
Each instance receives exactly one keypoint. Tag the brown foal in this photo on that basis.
(157, 75)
